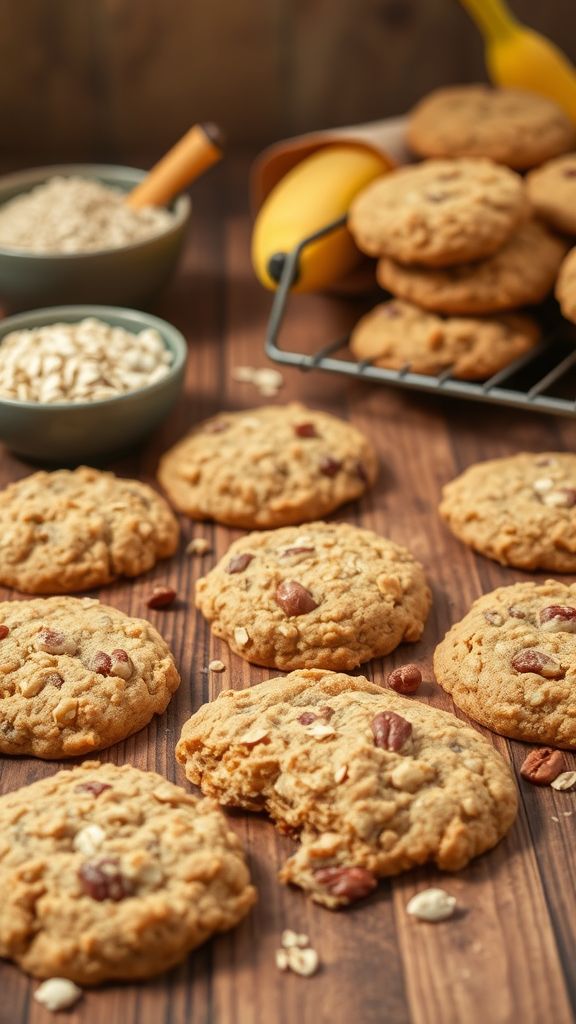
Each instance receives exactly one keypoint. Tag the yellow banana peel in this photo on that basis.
(314, 193)
(518, 57)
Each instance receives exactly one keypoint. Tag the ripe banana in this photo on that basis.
(316, 192)
(519, 57)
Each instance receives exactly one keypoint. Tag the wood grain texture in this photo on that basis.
(507, 956)
(81, 79)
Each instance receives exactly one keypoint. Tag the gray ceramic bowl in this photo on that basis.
(131, 275)
(68, 433)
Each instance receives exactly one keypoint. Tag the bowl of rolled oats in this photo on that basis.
(66, 235)
(81, 382)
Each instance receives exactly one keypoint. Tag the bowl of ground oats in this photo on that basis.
(66, 235)
(78, 383)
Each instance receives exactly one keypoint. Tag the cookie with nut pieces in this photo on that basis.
(399, 334)
(272, 466)
(566, 286)
(371, 782)
(523, 272)
(110, 872)
(73, 530)
(327, 595)
(77, 676)
(512, 126)
(519, 510)
(439, 212)
(510, 663)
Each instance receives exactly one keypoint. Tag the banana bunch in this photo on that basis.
(314, 193)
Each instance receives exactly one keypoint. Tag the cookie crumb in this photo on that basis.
(290, 939)
(57, 994)
(267, 380)
(282, 960)
(217, 666)
(564, 781)
(198, 546)
(296, 955)
(431, 905)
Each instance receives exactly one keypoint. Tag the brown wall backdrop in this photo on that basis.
(122, 79)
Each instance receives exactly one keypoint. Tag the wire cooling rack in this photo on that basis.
(543, 379)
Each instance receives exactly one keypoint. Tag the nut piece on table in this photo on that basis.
(161, 596)
(432, 905)
(542, 766)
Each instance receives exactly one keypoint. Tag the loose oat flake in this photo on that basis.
(432, 905)
(217, 666)
(564, 781)
(57, 994)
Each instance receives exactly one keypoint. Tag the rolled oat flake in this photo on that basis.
(57, 994)
(432, 905)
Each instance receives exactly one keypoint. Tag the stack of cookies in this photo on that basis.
(463, 241)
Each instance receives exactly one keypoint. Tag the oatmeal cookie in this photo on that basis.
(77, 675)
(371, 782)
(510, 663)
(519, 510)
(512, 126)
(566, 286)
(521, 273)
(552, 192)
(265, 467)
(330, 595)
(78, 529)
(111, 873)
(439, 212)
(396, 334)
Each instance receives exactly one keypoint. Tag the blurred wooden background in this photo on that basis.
(121, 79)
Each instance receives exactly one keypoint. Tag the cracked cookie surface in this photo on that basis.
(396, 334)
(111, 872)
(73, 530)
(512, 126)
(510, 662)
(77, 675)
(439, 212)
(327, 595)
(371, 782)
(521, 273)
(519, 510)
(270, 466)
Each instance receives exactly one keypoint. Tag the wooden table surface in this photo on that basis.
(508, 954)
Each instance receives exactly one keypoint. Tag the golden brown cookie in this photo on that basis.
(77, 675)
(439, 212)
(521, 273)
(519, 510)
(552, 192)
(514, 127)
(111, 873)
(271, 466)
(397, 334)
(371, 782)
(78, 529)
(510, 663)
(566, 286)
(328, 595)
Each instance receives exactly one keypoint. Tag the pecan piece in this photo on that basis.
(330, 466)
(101, 663)
(92, 786)
(52, 641)
(558, 618)
(121, 664)
(308, 717)
(161, 596)
(348, 883)
(494, 618)
(530, 660)
(298, 549)
(54, 679)
(405, 679)
(563, 497)
(102, 879)
(294, 599)
(305, 430)
(390, 730)
(3, 631)
(239, 562)
(542, 766)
